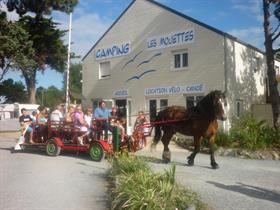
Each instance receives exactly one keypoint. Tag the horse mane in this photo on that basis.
(206, 105)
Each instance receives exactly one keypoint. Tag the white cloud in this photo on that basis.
(12, 16)
(86, 29)
(253, 36)
(251, 7)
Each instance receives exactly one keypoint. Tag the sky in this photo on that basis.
(91, 18)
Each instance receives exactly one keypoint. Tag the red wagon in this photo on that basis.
(58, 136)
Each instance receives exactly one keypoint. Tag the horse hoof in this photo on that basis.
(190, 162)
(165, 161)
(215, 166)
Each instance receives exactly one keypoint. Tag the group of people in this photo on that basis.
(102, 118)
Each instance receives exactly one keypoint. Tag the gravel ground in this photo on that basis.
(239, 184)
(34, 181)
(31, 180)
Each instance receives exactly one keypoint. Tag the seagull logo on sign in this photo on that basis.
(141, 75)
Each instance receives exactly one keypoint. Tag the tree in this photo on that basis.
(50, 97)
(49, 49)
(47, 39)
(12, 91)
(270, 37)
(15, 47)
(75, 78)
(41, 7)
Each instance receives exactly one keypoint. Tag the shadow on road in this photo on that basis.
(160, 161)
(42, 152)
(251, 191)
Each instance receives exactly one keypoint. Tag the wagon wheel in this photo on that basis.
(96, 152)
(52, 148)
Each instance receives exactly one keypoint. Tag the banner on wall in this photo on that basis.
(114, 50)
(171, 90)
(170, 40)
(120, 93)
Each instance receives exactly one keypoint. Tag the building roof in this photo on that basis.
(181, 15)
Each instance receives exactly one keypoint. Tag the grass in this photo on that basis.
(249, 133)
(137, 187)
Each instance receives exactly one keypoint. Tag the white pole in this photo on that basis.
(68, 63)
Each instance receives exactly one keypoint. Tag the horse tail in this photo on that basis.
(157, 136)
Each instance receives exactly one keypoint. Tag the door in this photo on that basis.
(155, 105)
(125, 112)
(121, 104)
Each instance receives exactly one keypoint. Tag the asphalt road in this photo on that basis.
(239, 184)
(33, 181)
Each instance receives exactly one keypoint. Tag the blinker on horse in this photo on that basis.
(199, 121)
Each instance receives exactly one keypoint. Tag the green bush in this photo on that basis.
(223, 139)
(137, 187)
(249, 133)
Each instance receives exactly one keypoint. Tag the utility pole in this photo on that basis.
(68, 63)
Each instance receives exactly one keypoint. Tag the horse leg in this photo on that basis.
(212, 157)
(166, 155)
(197, 142)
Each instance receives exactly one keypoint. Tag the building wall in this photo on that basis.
(214, 62)
(142, 21)
(245, 71)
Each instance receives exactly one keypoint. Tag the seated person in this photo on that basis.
(41, 121)
(102, 114)
(68, 115)
(139, 131)
(34, 116)
(57, 114)
(140, 120)
(79, 122)
(116, 120)
(26, 124)
(88, 120)
(41, 117)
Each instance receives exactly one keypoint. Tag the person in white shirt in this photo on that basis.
(57, 114)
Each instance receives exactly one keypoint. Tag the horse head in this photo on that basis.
(213, 105)
(219, 104)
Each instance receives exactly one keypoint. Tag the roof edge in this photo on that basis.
(181, 15)
(205, 25)
(109, 29)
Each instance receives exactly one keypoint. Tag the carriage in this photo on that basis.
(56, 136)
(199, 121)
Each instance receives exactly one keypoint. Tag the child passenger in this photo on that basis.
(139, 129)
(116, 120)
(26, 124)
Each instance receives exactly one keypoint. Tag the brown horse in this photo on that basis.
(199, 121)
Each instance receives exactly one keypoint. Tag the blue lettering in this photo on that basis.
(98, 53)
(126, 48)
(115, 50)
(152, 43)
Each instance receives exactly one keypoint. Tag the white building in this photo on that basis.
(8, 111)
(153, 56)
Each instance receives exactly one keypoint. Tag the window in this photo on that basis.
(277, 70)
(192, 101)
(256, 64)
(239, 107)
(153, 109)
(104, 70)
(163, 103)
(156, 105)
(180, 60)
